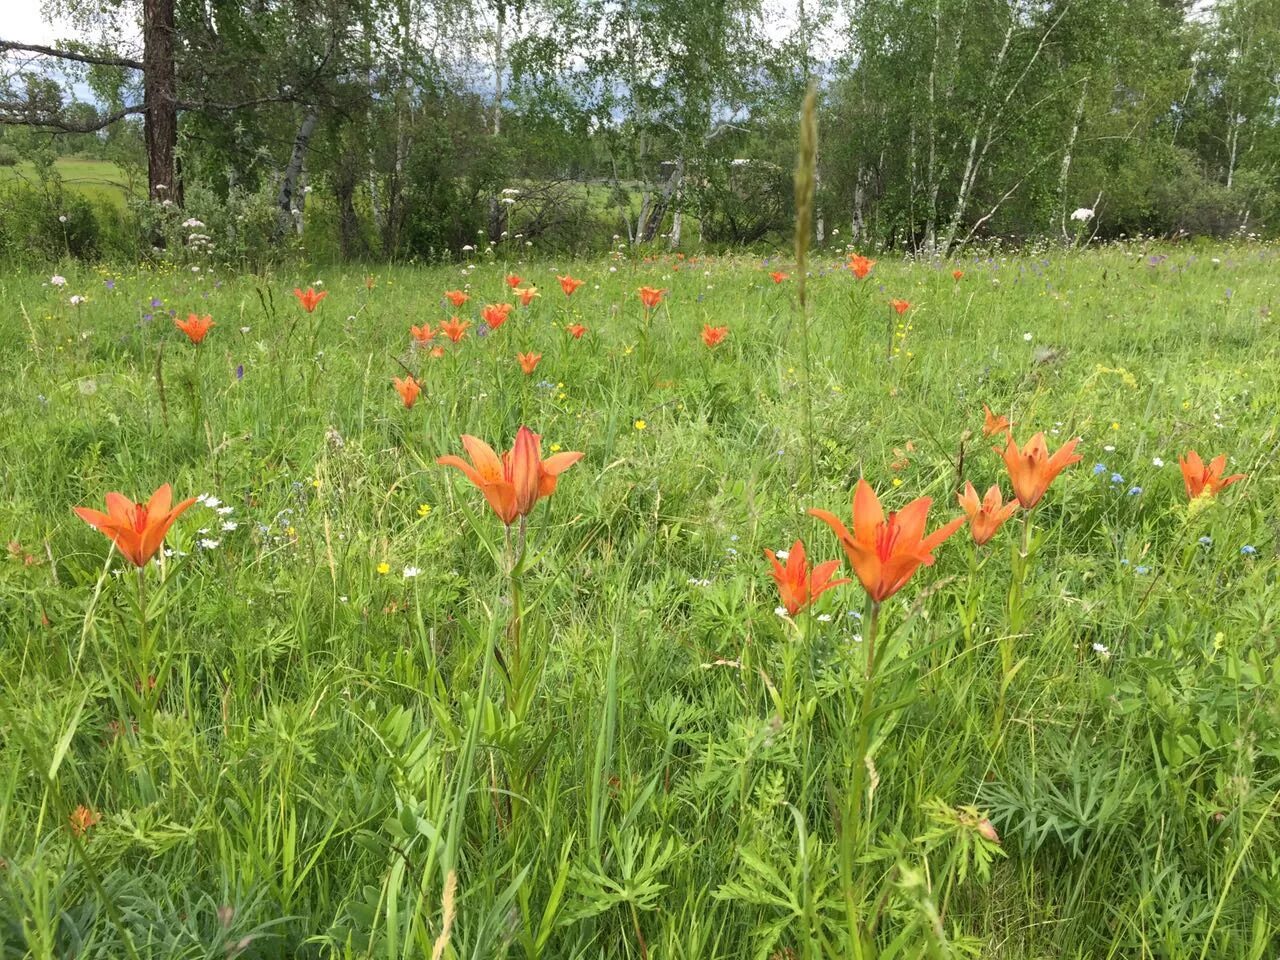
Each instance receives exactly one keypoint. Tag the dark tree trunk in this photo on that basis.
(350, 244)
(160, 96)
(653, 223)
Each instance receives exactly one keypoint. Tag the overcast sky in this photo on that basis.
(24, 20)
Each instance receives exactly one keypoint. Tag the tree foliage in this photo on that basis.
(400, 124)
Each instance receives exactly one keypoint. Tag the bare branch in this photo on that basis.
(198, 105)
(19, 114)
(98, 60)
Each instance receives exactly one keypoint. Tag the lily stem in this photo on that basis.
(852, 830)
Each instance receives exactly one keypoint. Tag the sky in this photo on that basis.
(25, 21)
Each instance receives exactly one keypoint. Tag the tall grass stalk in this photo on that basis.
(805, 180)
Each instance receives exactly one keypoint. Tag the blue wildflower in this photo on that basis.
(1248, 550)
(1135, 491)
(1099, 468)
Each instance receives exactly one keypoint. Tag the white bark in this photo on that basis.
(1065, 170)
(988, 118)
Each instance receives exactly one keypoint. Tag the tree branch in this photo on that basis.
(19, 114)
(102, 61)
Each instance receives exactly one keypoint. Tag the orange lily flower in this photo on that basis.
(568, 284)
(956, 275)
(195, 327)
(370, 282)
(860, 265)
(526, 295)
(422, 334)
(797, 587)
(885, 553)
(577, 330)
(495, 315)
(650, 297)
(408, 388)
(454, 329)
(456, 297)
(514, 483)
(136, 529)
(514, 280)
(1032, 469)
(310, 299)
(712, 336)
(901, 306)
(82, 819)
(437, 353)
(1202, 481)
(986, 515)
(991, 424)
(528, 361)
(778, 276)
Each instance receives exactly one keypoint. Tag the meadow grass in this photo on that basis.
(338, 739)
(95, 179)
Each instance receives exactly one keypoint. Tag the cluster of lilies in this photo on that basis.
(882, 550)
(495, 315)
(885, 551)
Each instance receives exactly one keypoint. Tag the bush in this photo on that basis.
(238, 230)
(745, 202)
(46, 224)
(8, 156)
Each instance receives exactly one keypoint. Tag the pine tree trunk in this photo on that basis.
(160, 96)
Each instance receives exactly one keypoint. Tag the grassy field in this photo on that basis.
(95, 179)
(331, 720)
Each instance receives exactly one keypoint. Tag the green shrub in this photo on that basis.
(240, 229)
(46, 224)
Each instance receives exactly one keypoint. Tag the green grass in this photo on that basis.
(95, 179)
(667, 771)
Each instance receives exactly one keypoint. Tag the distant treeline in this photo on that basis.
(360, 129)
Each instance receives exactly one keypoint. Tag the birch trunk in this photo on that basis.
(989, 116)
(1065, 170)
(286, 197)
